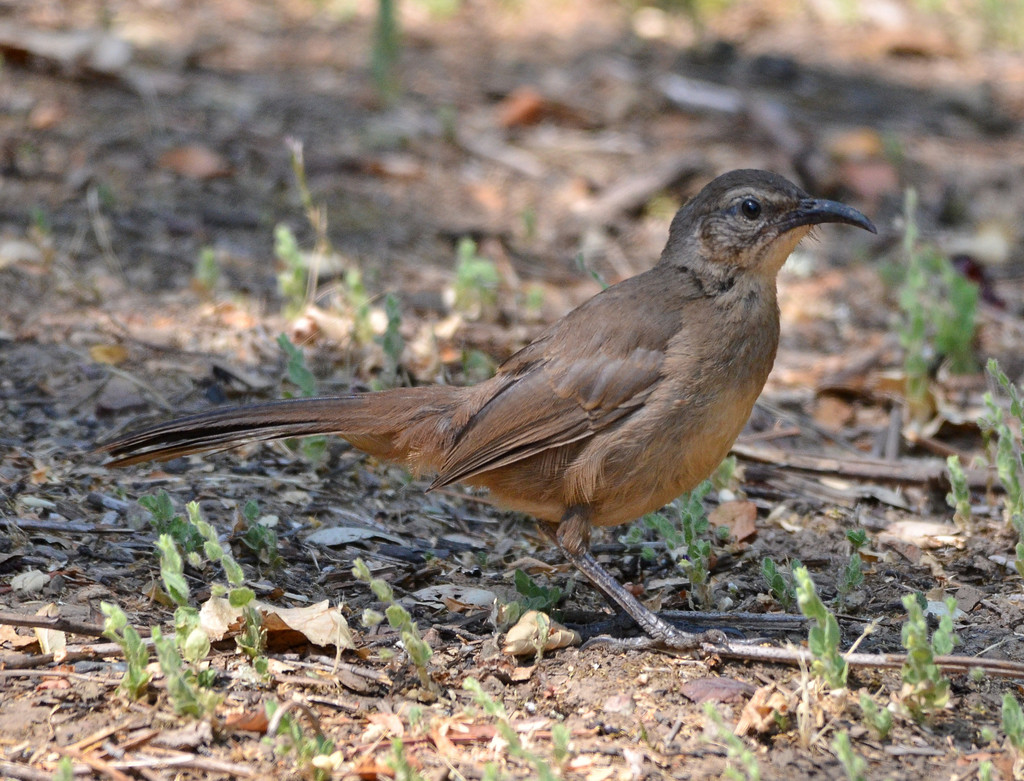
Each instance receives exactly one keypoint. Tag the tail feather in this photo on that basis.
(224, 428)
(384, 424)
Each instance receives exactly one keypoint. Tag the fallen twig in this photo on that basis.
(56, 623)
(1002, 668)
(931, 470)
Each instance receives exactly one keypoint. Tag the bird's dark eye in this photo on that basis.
(750, 209)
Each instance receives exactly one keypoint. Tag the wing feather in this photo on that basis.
(569, 384)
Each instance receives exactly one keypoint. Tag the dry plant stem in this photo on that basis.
(24, 772)
(919, 471)
(103, 768)
(189, 762)
(795, 656)
(71, 676)
(275, 721)
(67, 527)
(17, 661)
(94, 739)
(55, 622)
(800, 656)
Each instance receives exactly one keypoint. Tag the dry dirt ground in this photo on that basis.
(139, 136)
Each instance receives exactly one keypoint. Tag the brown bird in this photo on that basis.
(616, 409)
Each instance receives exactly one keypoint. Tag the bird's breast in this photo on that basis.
(713, 373)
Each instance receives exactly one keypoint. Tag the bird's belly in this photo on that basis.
(674, 459)
(625, 471)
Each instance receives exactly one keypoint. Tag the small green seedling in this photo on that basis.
(854, 765)
(925, 689)
(400, 764)
(313, 448)
(735, 749)
(387, 48)
(291, 741)
(207, 271)
(823, 637)
(851, 577)
(687, 538)
(583, 266)
(398, 617)
(293, 280)
(780, 584)
(879, 720)
(392, 343)
(116, 627)
(940, 312)
(1008, 454)
(959, 497)
(164, 520)
(189, 694)
(696, 547)
(252, 640)
(258, 537)
(559, 733)
(1013, 722)
(535, 596)
(476, 282)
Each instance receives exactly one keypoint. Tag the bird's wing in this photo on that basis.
(570, 384)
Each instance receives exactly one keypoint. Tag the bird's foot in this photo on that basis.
(700, 644)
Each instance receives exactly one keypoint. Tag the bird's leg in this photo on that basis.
(573, 538)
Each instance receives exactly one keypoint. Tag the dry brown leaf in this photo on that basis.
(759, 714)
(195, 162)
(521, 674)
(234, 316)
(459, 730)
(395, 165)
(832, 412)
(924, 534)
(369, 769)
(532, 566)
(593, 773)
(491, 197)
(717, 689)
(9, 636)
(109, 354)
(248, 720)
(381, 726)
(54, 683)
(458, 599)
(217, 616)
(619, 703)
(51, 641)
(46, 114)
(30, 581)
(524, 638)
(859, 143)
(739, 516)
(119, 395)
(20, 252)
(321, 624)
(522, 106)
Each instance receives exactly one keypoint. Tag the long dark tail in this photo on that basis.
(382, 423)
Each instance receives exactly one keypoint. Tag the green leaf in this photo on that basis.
(241, 596)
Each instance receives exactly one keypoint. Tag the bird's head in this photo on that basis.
(750, 220)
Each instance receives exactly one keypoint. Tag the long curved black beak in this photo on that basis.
(815, 211)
